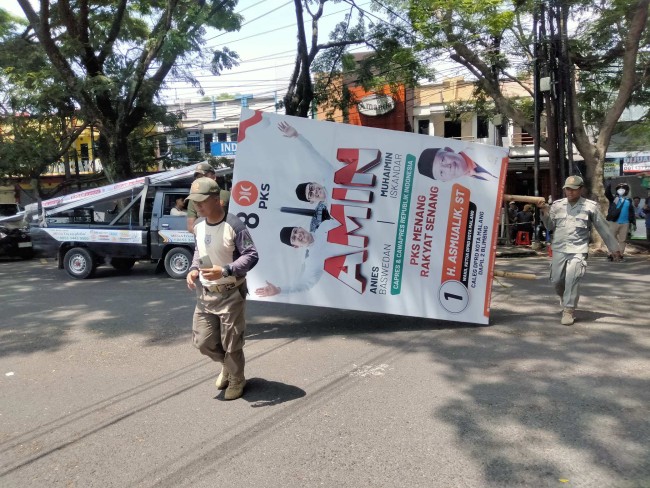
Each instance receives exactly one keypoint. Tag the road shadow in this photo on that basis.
(44, 310)
(277, 320)
(264, 393)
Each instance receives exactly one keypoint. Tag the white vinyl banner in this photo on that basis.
(368, 219)
(95, 235)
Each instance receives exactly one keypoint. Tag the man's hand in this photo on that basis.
(544, 208)
(287, 130)
(191, 278)
(267, 291)
(617, 257)
(213, 273)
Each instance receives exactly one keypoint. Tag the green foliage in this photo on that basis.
(35, 109)
(113, 58)
(493, 40)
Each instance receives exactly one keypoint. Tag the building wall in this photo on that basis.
(397, 119)
(205, 121)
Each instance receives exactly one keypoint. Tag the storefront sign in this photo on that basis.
(637, 163)
(223, 148)
(376, 104)
(612, 169)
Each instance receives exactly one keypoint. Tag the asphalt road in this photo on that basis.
(100, 387)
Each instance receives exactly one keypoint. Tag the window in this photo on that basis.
(222, 137)
(170, 202)
(194, 141)
(452, 129)
(423, 126)
(503, 128)
(162, 145)
(233, 134)
(482, 127)
(207, 139)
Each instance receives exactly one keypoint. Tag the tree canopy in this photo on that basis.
(112, 57)
(38, 126)
(606, 53)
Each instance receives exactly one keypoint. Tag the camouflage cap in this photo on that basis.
(203, 168)
(574, 182)
(202, 188)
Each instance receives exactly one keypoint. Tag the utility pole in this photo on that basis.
(538, 133)
(244, 100)
(553, 82)
(558, 88)
(565, 65)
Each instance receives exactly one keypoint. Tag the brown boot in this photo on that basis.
(222, 379)
(568, 317)
(235, 388)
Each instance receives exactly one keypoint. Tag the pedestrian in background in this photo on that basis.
(512, 222)
(224, 253)
(525, 220)
(571, 220)
(620, 214)
(638, 209)
(645, 213)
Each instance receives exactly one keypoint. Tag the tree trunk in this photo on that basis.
(121, 159)
(113, 151)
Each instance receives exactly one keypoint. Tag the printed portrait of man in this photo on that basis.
(444, 164)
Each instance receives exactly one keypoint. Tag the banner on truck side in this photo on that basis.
(368, 219)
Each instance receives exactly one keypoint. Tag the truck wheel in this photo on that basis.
(177, 262)
(79, 263)
(123, 264)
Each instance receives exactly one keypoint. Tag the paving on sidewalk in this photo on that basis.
(634, 247)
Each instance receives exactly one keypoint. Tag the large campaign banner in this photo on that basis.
(368, 219)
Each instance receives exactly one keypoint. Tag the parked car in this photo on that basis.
(15, 243)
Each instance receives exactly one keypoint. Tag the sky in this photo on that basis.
(266, 44)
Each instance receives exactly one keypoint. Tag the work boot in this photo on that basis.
(568, 316)
(235, 388)
(222, 379)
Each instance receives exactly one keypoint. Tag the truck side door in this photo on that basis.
(169, 224)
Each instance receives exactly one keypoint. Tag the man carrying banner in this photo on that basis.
(202, 170)
(571, 219)
(223, 255)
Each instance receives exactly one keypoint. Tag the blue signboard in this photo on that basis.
(223, 148)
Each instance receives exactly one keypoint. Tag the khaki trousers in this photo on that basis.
(566, 272)
(620, 232)
(219, 325)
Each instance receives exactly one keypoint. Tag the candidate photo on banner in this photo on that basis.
(368, 219)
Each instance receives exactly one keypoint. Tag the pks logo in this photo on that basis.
(245, 193)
